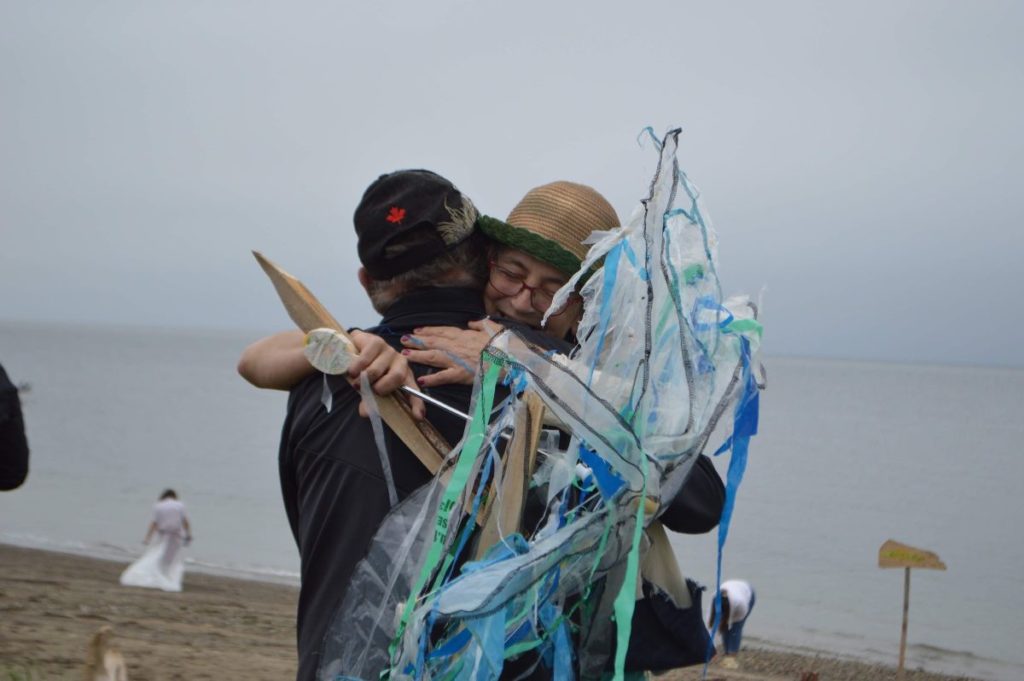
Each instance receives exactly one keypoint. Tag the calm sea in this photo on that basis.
(849, 454)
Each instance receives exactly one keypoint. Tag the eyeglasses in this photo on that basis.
(509, 283)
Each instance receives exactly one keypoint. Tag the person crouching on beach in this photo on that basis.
(737, 602)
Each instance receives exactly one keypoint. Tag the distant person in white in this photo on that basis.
(737, 602)
(162, 566)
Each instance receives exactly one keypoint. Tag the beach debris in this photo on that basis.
(665, 370)
(893, 554)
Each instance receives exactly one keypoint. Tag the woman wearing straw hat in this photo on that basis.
(536, 250)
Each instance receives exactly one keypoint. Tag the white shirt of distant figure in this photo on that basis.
(162, 565)
(739, 599)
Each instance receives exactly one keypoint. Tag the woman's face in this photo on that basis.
(520, 288)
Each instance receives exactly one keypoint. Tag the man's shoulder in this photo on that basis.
(308, 403)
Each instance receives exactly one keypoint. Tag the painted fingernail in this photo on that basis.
(419, 381)
(406, 352)
(405, 339)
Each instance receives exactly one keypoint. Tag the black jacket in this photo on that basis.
(13, 445)
(332, 481)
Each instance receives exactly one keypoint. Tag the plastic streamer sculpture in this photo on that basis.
(455, 585)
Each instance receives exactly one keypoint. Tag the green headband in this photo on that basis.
(538, 246)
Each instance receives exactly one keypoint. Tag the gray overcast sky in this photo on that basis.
(861, 161)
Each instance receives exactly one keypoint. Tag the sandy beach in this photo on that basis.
(221, 628)
(217, 628)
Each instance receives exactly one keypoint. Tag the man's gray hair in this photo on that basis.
(464, 265)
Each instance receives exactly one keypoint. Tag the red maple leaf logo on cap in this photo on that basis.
(396, 214)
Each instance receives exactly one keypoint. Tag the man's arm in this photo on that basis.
(276, 362)
(279, 362)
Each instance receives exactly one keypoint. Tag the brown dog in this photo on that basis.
(104, 662)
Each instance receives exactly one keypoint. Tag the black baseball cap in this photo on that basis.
(408, 217)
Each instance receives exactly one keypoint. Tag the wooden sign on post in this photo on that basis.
(893, 554)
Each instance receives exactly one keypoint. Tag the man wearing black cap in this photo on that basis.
(423, 263)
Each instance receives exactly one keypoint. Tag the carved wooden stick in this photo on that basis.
(308, 313)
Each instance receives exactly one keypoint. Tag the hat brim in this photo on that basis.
(539, 247)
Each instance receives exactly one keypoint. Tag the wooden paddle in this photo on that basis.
(428, 445)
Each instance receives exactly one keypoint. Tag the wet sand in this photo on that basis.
(221, 628)
(217, 628)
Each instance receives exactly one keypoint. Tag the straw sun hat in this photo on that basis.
(551, 222)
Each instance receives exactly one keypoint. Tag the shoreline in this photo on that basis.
(118, 554)
(236, 627)
(218, 627)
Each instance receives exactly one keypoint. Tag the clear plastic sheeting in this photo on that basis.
(663, 365)
(357, 643)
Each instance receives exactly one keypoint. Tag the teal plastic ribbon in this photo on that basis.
(625, 600)
(460, 475)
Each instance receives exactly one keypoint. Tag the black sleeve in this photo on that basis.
(536, 337)
(13, 445)
(697, 507)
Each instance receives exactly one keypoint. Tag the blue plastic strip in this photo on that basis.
(608, 481)
(649, 131)
(452, 645)
(470, 523)
(520, 633)
(709, 303)
(563, 654)
(678, 211)
(744, 428)
(428, 626)
(635, 261)
(611, 273)
(561, 651)
(489, 633)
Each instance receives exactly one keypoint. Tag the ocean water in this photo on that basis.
(849, 454)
